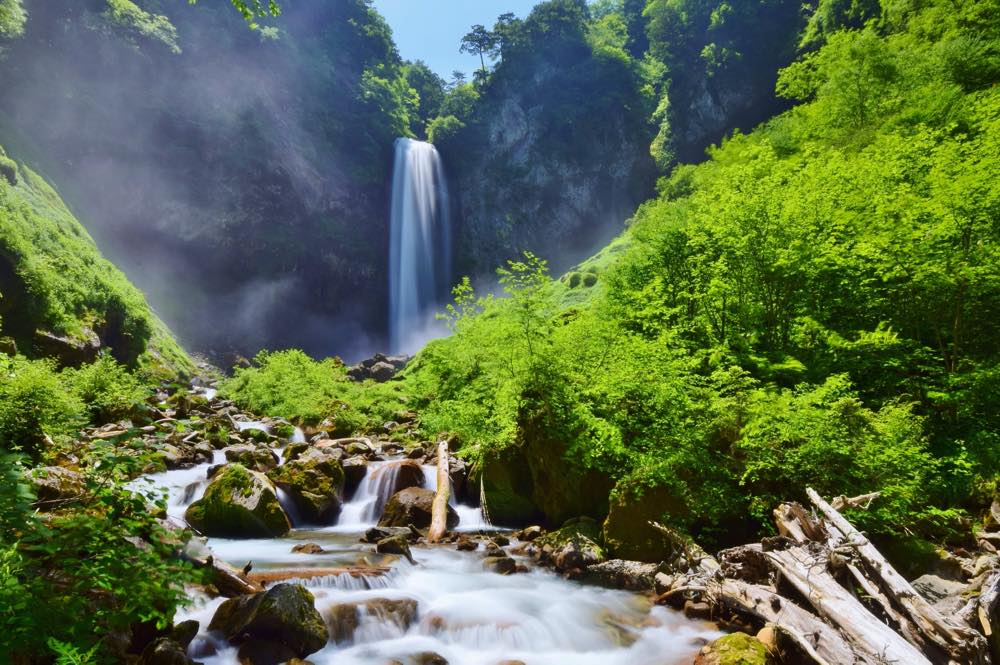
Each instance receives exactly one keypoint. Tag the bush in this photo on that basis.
(35, 402)
(8, 169)
(109, 390)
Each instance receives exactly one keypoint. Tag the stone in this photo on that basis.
(54, 485)
(185, 632)
(734, 649)
(571, 548)
(164, 651)
(504, 565)
(413, 506)
(945, 595)
(254, 457)
(416, 453)
(239, 503)
(662, 583)
(314, 481)
(345, 618)
(694, 609)
(381, 372)
(68, 351)
(529, 533)
(377, 533)
(8, 346)
(308, 548)
(395, 545)
(263, 652)
(285, 614)
(355, 469)
(621, 574)
(466, 544)
(428, 658)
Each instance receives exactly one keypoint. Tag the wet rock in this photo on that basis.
(344, 619)
(395, 545)
(413, 506)
(662, 583)
(416, 454)
(54, 485)
(501, 539)
(428, 658)
(377, 533)
(164, 651)
(621, 574)
(492, 549)
(293, 450)
(529, 533)
(314, 482)
(694, 609)
(262, 652)
(308, 548)
(503, 565)
(185, 632)
(734, 649)
(256, 458)
(466, 544)
(284, 614)
(571, 548)
(408, 474)
(355, 469)
(239, 503)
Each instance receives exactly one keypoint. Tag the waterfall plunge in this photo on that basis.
(419, 245)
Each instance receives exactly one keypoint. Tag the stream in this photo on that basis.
(464, 613)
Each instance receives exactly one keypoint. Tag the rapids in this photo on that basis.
(465, 614)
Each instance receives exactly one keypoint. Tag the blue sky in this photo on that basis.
(430, 30)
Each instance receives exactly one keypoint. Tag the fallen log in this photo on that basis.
(817, 640)
(795, 522)
(963, 645)
(876, 642)
(439, 508)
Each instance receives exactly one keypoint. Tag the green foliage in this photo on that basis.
(134, 22)
(290, 384)
(108, 389)
(90, 569)
(34, 403)
(12, 18)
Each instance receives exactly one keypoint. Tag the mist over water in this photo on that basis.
(419, 245)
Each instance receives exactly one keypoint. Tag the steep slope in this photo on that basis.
(58, 296)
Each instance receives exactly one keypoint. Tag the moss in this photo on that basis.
(228, 508)
(735, 649)
(8, 169)
(573, 279)
(589, 279)
(626, 529)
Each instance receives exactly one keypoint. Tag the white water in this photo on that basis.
(183, 486)
(419, 245)
(464, 613)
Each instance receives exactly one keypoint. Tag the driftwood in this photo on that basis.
(817, 640)
(808, 572)
(439, 509)
(961, 644)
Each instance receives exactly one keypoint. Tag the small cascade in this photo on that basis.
(298, 436)
(419, 244)
(376, 488)
(183, 486)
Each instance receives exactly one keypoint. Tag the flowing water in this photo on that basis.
(419, 244)
(464, 613)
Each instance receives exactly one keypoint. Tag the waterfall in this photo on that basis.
(419, 244)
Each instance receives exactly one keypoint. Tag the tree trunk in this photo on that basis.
(439, 509)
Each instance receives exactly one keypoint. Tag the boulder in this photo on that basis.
(284, 615)
(345, 618)
(239, 503)
(355, 469)
(308, 548)
(572, 548)
(621, 574)
(395, 545)
(257, 458)
(262, 652)
(408, 474)
(413, 506)
(164, 651)
(529, 533)
(68, 351)
(55, 484)
(314, 481)
(734, 649)
(377, 533)
(504, 565)
(945, 595)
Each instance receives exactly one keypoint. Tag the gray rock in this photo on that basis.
(285, 614)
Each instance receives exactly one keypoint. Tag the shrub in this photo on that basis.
(109, 390)
(34, 402)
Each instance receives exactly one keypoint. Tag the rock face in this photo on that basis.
(627, 533)
(413, 506)
(239, 504)
(379, 368)
(735, 649)
(283, 615)
(69, 351)
(315, 481)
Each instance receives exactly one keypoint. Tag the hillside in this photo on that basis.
(60, 297)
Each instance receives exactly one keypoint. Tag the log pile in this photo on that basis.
(831, 598)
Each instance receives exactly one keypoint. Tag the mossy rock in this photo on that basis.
(239, 504)
(507, 486)
(314, 480)
(734, 649)
(413, 506)
(574, 546)
(284, 614)
(627, 533)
